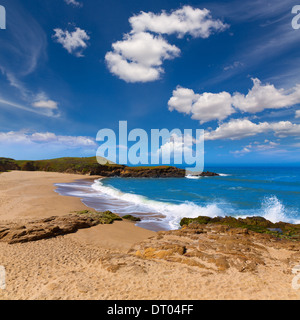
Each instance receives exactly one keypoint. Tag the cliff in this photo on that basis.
(90, 166)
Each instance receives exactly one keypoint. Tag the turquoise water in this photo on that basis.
(273, 193)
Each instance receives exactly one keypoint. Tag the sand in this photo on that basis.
(94, 263)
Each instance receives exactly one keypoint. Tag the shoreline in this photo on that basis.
(82, 188)
(31, 195)
(124, 262)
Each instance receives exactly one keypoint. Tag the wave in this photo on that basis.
(274, 210)
(271, 208)
(166, 215)
(190, 176)
(172, 213)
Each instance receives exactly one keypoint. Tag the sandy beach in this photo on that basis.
(102, 262)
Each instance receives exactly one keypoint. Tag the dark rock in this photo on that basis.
(209, 174)
(131, 218)
(256, 224)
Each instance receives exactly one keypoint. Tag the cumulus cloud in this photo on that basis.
(218, 106)
(297, 114)
(187, 20)
(203, 107)
(262, 97)
(25, 138)
(74, 42)
(177, 144)
(139, 56)
(237, 129)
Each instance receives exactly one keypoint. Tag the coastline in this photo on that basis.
(31, 195)
(115, 261)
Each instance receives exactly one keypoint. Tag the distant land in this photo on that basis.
(90, 166)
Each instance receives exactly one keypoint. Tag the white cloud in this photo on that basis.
(177, 144)
(74, 42)
(139, 56)
(218, 106)
(39, 100)
(187, 20)
(236, 64)
(24, 138)
(256, 147)
(204, 107)
(47, 104)
(74, 3)
(262, 97)
(237, 129)
(48, 112)
(297, 114)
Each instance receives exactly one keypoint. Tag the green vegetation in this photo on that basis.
(71, 165)
(7, 164)
(131, 218)
(256, 224)
(106, 217)
(68, 165)
(89, 166)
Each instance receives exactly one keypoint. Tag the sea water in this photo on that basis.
(273, 193)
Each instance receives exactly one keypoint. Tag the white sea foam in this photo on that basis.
(173, 212)
(168, 214)
(190, 176)
(273, 209)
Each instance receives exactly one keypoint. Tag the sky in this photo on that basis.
(69, 68)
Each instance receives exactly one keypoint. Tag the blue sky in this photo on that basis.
(70, 68)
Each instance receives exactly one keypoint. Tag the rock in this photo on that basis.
(54, 226)
(209, 174)
(244, 226)
(216, 247)
(131, 218)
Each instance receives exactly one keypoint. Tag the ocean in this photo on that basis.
(273, 193)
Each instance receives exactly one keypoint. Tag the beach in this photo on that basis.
(113, 261)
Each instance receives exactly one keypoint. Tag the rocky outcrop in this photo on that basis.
(209, 174)
(8, 164)
(54, 226)
(138, 172)
(144, 172)
(217, 248)
(131, 218)
(281, 230)
(90, 166)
